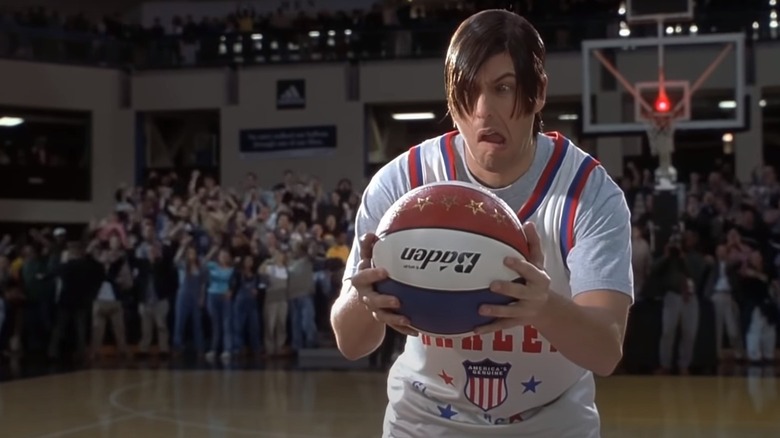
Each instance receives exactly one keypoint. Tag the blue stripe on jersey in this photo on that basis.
(547, 178)
(570, 205)
(446, 156)
(417, 171)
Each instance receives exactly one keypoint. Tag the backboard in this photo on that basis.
(703, 78)
(647, 11)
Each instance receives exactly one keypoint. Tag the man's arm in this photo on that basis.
(589, 328)
(358, 334)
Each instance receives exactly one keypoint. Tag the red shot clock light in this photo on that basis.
(662, 104)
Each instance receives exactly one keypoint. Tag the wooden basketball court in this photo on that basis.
(128, 403)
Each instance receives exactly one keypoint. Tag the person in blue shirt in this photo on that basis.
(190, 298)
(219, 302)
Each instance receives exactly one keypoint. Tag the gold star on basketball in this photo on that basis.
(423, 202)
(498, 216)
(476, 207)
(448, 202)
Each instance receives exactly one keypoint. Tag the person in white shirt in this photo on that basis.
(529, 374)
(720, 288)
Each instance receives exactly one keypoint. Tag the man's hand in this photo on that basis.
(531, 296)
(381, 306)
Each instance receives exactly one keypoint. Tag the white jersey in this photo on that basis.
(512, 382)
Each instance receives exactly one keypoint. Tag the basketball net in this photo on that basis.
(660, 130)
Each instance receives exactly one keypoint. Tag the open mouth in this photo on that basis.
(494, 137)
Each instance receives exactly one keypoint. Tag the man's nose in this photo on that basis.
(483, 108)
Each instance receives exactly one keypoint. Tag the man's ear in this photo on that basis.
(541, 99)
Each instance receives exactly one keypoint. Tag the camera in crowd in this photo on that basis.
(674, 244)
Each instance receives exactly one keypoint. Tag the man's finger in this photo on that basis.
(514, 311)
(501, 324)
(367, 242)
(511, 289)
(367, 277)
(380, 301)
(365, 264)
(528, 270)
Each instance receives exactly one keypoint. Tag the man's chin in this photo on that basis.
(493, 147)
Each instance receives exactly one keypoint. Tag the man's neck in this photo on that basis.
(508, 177)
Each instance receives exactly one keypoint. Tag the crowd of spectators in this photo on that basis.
(724, 259)
(254, 271)
(256, 268)
(392, 28)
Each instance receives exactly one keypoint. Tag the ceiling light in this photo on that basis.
(727, 104)
(568, 117)
(11, 121)
(413, 116)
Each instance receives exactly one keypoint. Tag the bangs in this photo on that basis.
(462, 70)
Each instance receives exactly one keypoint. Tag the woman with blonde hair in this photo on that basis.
(276, 274)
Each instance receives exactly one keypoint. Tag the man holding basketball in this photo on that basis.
(530, 373)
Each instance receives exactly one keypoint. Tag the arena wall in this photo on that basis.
(163, 90)
(326, 106)
(96, 90)
(247, 100)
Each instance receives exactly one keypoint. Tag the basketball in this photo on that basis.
(442, 245)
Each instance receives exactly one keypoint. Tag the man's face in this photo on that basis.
(495, 138)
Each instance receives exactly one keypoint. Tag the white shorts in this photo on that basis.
(572, 415)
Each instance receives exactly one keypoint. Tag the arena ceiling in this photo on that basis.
(102, 7)
(73, 6)
(90, 7)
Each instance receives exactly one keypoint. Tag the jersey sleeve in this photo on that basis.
(388, 185)
(601, 256)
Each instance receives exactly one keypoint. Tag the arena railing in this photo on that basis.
(140, 51)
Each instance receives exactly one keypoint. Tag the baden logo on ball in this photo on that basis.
(464, 262)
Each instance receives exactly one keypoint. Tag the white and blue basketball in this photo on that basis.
(442, 245)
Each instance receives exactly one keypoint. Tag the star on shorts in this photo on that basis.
(447, 378)
(530, 385)
(446, 411)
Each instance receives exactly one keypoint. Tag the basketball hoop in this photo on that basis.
(660, 107)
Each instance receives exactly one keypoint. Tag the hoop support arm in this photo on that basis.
(706, 74)
(608, 65)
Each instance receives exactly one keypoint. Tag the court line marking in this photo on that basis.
(22, 380)
(116, 394)
(103, 422)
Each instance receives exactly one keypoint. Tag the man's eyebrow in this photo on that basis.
(504, 76)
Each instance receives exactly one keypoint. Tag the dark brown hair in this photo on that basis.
(479, 38)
